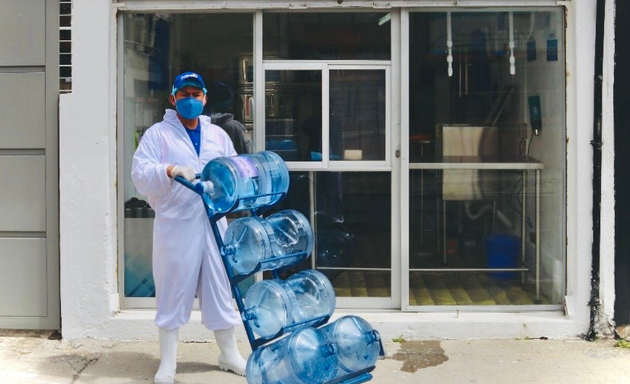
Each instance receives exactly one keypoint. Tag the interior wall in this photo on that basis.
(546, 78)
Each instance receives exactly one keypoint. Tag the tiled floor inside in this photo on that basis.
(441, 288)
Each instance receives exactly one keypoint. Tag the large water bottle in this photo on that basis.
(305, 357)
(228, 179)
(246, 244)
(281, 239)
(314, 293)
(290, 233)
(269, 306)
(357, 342)
(304, 298)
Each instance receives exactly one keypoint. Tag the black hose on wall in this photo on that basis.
(597, 167)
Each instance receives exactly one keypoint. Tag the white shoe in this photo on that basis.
(230, 358)
(168, 357)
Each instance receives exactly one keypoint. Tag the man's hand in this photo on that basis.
(187, 173)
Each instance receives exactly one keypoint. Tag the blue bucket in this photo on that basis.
(502, 251)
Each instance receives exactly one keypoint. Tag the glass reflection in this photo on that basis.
(327, 36)
(293, 114)
(357, 115)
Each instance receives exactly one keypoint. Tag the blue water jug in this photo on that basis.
(314, 293)
(269, 306)
(357, 342)
(290, 234)
(304, 357)
(281, 239)
(227, 180)
(304, 298)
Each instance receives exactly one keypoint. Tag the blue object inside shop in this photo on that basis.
(305, 301)
(502, 251)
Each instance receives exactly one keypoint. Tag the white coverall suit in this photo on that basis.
(186, 259)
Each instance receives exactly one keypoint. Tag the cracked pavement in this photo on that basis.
(32, 358)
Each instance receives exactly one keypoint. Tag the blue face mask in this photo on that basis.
(189, 107)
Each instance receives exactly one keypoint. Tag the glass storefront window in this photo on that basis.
(327, 36)
(488, 153)
(487, 142)
(157, 47)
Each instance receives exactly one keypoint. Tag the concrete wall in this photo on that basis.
(87, 162)
(607, 244)
(89, 210)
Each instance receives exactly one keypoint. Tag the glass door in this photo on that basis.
(331, 124)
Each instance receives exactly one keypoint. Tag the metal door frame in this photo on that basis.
(391, 163)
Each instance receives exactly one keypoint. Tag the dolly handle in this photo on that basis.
(197, 188)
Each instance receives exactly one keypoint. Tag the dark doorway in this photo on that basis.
(622, 159)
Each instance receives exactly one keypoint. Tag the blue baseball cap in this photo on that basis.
(188, 79)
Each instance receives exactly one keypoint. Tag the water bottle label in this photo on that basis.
(244, 166)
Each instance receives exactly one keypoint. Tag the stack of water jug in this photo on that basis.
(344, 350)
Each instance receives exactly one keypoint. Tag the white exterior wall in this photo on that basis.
(87, 167)
(607, 243)
(88, 182)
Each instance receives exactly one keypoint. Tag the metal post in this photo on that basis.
(537, 235)
(422, 206)
(523, 222)
(444, 230)
(494, 216)
(437, 215)
(311, 185)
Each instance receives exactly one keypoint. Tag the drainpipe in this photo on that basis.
(597, 168)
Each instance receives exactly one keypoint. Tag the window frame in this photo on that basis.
(325, 68)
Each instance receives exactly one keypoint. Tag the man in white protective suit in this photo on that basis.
(186, 260)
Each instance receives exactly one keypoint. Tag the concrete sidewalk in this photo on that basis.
(33, 358)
